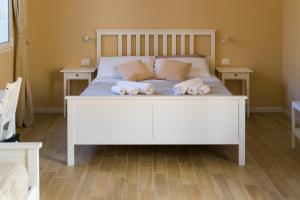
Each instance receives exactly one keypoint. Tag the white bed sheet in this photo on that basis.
(14, 181)
(1, 97)
(2, 94)
(113, 80)
(101, 87)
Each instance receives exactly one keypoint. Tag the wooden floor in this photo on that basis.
(170, 172)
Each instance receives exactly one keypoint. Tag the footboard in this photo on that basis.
(156, 120)
(28, 154)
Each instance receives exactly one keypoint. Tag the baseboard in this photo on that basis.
(289, 115)
(271, 109)
(48, 110)
(274, 110)
(60, 110)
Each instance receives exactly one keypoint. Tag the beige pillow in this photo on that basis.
(172, 70)
(134, 71)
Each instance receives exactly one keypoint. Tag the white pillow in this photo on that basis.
(199, 67)
(107, 65)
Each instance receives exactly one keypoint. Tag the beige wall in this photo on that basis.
(291, 51)
(6, 68)
(56, 29)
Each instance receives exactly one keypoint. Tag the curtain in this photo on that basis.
(24, 112)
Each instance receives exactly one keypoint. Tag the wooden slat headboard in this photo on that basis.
(155, 33)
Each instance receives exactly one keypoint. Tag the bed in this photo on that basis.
(1, 94)
(97, 117)
(19, 171)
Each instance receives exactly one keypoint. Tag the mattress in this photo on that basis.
(101, 87)
(14, 181)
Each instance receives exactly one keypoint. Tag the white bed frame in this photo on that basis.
(156, 120)
(27, 153)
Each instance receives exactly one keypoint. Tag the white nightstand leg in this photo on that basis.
(90, 79)
(293, 127)
(223, 80)
(65, 94)
(248, 95)
(244, 87)
(68, 92)
(68, 87)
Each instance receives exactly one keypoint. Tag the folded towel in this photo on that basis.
(129, 88)
(118, 90)
(193, 89)
(204, 89)
(132, 90)
(143, 88)
(181, 88)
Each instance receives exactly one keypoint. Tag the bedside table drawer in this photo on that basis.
(77, 75)
(239, 75)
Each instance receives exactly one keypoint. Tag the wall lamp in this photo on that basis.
(87, 39)
(225, 39)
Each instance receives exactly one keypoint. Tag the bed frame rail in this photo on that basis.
(140, 120)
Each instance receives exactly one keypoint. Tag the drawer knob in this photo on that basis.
(77, 75)
(235, 75)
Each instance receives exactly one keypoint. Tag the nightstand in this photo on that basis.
(75, 73)
(238, 73)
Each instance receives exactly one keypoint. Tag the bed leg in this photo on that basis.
(242, 160)
(71, 143)
(71, 150)
(242, 133)
(34, 171)
(71, 156)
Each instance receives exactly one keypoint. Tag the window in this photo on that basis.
(5, 39)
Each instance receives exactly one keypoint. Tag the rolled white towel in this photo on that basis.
(132, 90)
(129, 88)
(204, 89)
(181, 88)
(143, 88)
(118, 90)
(193, 89)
